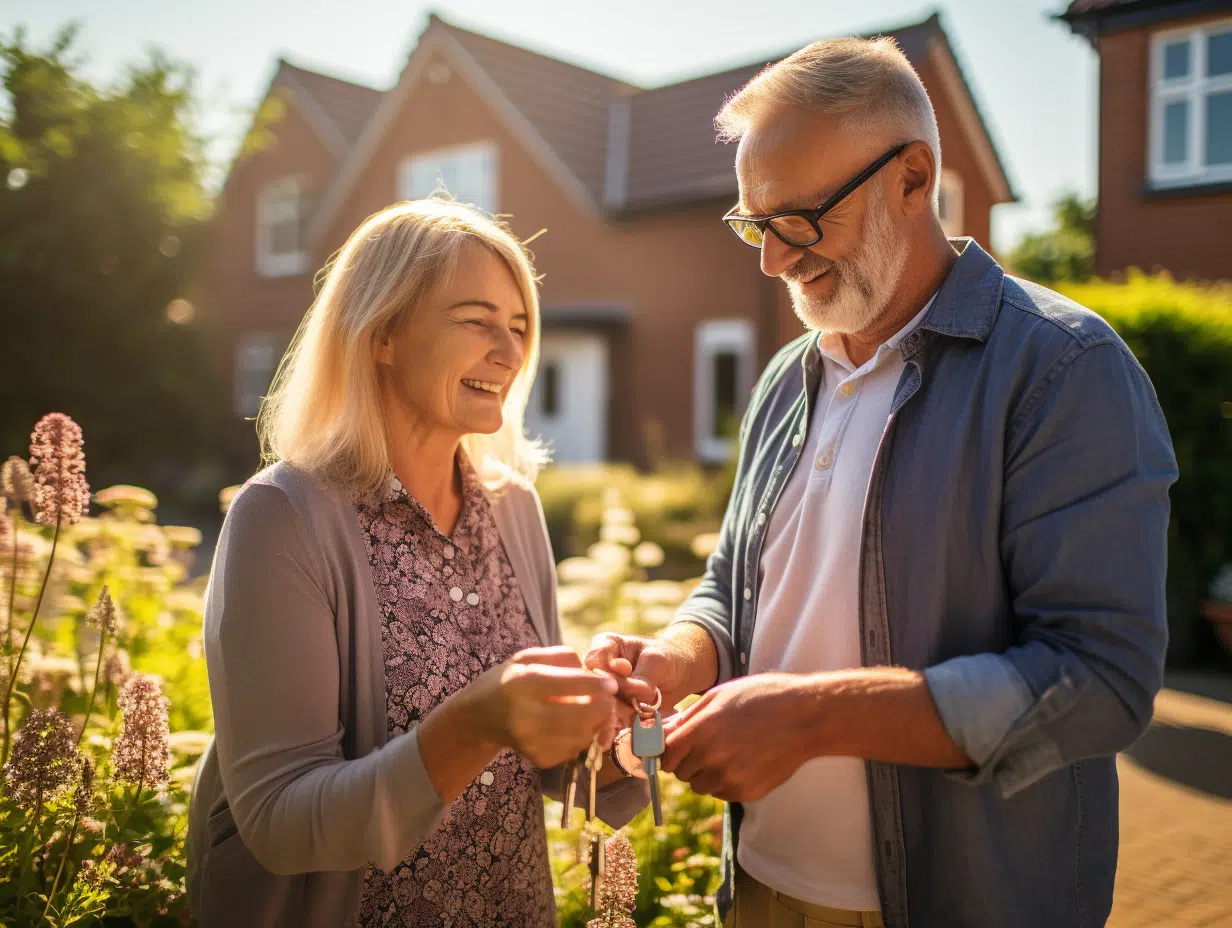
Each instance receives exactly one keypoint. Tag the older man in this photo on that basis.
(936, 608)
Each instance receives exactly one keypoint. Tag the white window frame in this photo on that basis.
(486, 196)
(711, 338)
(1194, 89)
(951, 184)
(247, 401)
(272, 207)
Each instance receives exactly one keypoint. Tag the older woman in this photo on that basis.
(381, 629)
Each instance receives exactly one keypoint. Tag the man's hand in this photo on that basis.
(743, 738)
(641, 666)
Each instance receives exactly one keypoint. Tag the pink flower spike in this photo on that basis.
(44, 759)
(61, 494)
(142, 753)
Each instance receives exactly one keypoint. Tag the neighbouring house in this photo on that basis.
(656, 320)
(1165, 133)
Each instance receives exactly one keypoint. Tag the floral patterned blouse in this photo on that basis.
(451, 608)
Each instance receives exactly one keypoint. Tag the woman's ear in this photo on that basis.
(383, 350)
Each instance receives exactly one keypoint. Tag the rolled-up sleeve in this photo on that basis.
(1084, 542)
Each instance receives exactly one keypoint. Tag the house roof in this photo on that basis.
(1089, 18)
(566, 104)
(614, 146)
(674, 155)
(338, 109)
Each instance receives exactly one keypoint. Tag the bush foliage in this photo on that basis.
(1182, 335)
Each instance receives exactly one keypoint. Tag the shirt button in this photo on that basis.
(761, 518)
(848, 388)
(824, 460)
(795, 440)
(486, 778)
(744, 658)
(456, 594)
(448, 552)
(748, 594)
(472, 598)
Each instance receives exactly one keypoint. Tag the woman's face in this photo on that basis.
(450, 363)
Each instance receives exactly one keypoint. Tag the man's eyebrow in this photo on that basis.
(811, 201)
(485, 304)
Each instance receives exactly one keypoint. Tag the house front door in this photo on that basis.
(568, 406)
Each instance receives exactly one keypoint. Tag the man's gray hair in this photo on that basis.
(868, 83)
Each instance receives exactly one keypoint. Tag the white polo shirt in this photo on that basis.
(812, 837)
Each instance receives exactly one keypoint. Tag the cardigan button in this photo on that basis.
(456, 594)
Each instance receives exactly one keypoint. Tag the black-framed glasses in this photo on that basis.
(801, 228)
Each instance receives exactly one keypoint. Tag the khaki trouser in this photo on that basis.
(759, 906)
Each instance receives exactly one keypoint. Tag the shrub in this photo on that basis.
(99, 627)
(1182, 335)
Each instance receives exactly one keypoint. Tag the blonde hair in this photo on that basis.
(867, 83)
(323, 413)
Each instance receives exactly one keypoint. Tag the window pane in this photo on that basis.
(549, 390)
(284, 237)
(1176, 132)
(1176, 60)
(1219, 53)
(726, 388)
(1219, 128)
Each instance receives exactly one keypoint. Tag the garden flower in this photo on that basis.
(618, 890)
(44, 760)
(116, 669)
(123, 496)
(61, 494)
(16, 481)
(142, 753)
(104, 616)
(85, 789)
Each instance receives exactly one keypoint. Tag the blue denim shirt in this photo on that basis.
(1014, 549)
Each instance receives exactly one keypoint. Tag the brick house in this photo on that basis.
(1165, 133)
(656, 319)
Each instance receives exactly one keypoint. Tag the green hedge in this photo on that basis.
(1182, 334)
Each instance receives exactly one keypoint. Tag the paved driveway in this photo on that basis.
(1176, 818)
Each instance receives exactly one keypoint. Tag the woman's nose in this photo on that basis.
(507, 351)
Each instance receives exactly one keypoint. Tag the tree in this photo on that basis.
(102, 209)
(1067, 253)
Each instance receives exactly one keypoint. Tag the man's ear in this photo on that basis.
(919, 177)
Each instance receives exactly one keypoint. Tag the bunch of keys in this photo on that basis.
(593, 760)
(648, 743)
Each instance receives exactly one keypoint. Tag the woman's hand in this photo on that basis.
(544, 705)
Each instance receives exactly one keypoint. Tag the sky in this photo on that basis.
(1035, 83)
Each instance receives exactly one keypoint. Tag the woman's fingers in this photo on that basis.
(557, 656)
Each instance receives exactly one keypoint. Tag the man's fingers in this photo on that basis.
(604, 650)
(621, 666)
(636, 688)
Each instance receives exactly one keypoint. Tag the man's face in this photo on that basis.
(795, 160)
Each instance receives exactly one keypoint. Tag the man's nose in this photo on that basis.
(776, 255)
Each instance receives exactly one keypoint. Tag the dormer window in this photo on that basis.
(280, 228)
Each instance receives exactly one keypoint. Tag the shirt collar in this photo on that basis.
(831, 345)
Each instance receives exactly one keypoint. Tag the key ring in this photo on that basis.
(645, 709)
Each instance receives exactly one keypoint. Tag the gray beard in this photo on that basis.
(865, 282)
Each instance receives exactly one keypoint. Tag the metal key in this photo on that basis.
(598, 848)
(568, 797)
(648, 747)
(594, 763)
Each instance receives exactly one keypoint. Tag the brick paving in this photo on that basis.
(1176, 818)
